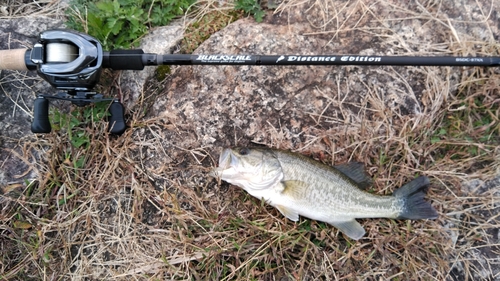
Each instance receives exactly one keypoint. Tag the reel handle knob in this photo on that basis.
(117, 119)
(41, 123)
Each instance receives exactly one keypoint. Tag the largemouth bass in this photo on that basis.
(297, 185)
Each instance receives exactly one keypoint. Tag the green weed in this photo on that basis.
(74, 123)
(471, 129)
(250, 7)
(118, 24)
(162, 72)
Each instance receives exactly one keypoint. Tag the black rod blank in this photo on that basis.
(126, 57)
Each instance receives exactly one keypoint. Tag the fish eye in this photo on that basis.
(244, 151)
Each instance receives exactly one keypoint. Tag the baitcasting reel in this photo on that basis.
(70, 62)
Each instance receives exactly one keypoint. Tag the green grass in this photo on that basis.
(472, 127)
(76, 123)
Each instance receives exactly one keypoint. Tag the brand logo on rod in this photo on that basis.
(224, 58)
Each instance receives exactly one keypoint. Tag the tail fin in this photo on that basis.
(414, 206)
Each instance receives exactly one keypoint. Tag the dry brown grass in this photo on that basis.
(141, 207)
(32, 8)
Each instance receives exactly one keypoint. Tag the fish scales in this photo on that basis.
(297, 185)
(332, 192)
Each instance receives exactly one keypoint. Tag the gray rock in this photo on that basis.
(18, 90)
(295, 99)
(161, 40)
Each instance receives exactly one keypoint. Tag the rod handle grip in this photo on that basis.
(117, 119)
(13, 59)
(41, 123)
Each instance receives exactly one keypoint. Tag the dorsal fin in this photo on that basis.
(356, 172)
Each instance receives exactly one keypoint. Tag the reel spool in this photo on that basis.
(60, 52)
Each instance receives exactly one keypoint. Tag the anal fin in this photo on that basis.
(351, 228)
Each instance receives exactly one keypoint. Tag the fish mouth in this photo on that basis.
(227, 160)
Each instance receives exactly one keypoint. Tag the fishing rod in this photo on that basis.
(72, 62)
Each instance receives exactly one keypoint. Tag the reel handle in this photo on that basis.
(41, 123)
(117, 119)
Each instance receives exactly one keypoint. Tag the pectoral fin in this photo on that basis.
(350, 228)
(288, 212)
(295, 189)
